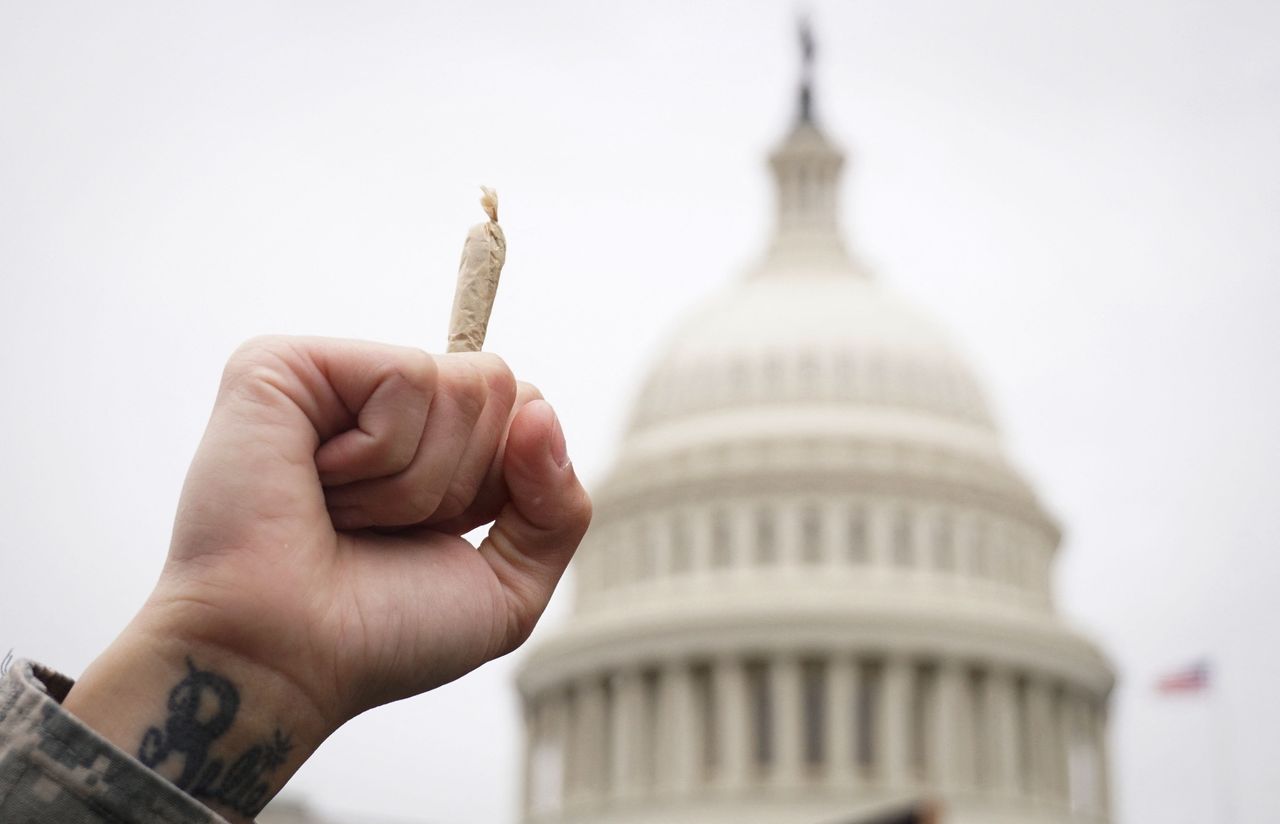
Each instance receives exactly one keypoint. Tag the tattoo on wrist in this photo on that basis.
(202, 708)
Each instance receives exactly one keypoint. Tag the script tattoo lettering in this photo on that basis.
(202, 707)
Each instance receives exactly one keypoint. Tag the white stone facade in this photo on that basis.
(814, 588)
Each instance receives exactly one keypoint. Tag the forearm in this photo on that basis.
(227, 731)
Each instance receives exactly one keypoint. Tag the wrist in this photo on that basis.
(226, 730)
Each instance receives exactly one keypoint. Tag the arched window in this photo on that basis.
(875, 378)
(944, 550)
(610, 555)
(739, 377)
(903, 550)
(766, 537)
(721, 540)
(807, 372)
(811, 534)
(844, 377)
(1016, 562)
(856, 540)
(681, 551)
(646, 552)
(981, 550)
(773, 378)
(1001, 560)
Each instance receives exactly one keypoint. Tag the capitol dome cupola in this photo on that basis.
(806, 175)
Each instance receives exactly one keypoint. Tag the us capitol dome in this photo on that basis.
(816, 590)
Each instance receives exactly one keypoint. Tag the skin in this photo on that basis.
(317, 564)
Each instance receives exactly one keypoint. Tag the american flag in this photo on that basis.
(1194, 678)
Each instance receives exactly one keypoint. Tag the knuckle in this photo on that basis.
(453, 502)
(419, 369)
(498, 375)
(418, 499)
(526, 392)
(261, 343)
(253, 352)
(412, 366)
(469, 389)
(388, 455)
(261, 360)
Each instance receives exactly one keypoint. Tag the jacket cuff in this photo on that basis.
(54, 768)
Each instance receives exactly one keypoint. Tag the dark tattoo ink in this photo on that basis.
(202, 707)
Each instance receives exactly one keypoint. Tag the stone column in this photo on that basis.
(1097, 715)
(678, 729)
(1040, 740)
(1061, 745)
(948, 727)
(788, 719)
(841, 683)
(556, 709)
(1002, 737)
(864, 720)
(532, 738)
(729, 686)
(578, 751)
(592, 726)
(626, 737)
(1083, 788)
(572, 747)
(893, 723)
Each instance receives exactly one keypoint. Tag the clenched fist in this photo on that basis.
(318, 567)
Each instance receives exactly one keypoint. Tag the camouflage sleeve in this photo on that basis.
(55, 770)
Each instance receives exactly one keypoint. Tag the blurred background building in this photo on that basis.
(815, 589)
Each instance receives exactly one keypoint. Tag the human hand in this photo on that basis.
(317, 567)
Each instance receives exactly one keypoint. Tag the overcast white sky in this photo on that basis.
(1087, 193)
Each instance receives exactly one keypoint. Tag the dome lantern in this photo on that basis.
(806, 172)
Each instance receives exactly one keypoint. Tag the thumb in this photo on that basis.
(538, 530)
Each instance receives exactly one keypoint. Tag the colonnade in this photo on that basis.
(724, 726)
